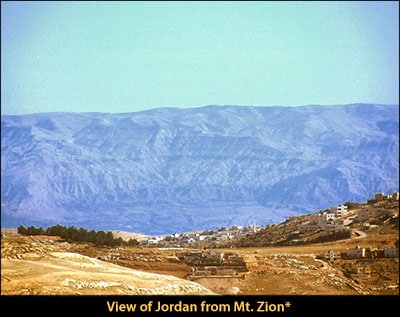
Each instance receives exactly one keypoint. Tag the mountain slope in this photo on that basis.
(170, 169)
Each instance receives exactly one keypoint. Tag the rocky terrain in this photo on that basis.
(48, 266)
(275, 260)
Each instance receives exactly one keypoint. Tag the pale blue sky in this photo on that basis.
(110, 56)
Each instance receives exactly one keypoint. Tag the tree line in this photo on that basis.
(99, 238)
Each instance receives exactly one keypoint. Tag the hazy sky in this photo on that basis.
(129, 56)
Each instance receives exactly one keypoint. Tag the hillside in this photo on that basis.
(43, 265)
(292, 257)
(175, 170)
(362, 220)
(49, 266)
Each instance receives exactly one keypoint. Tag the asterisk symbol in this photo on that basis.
(288, 304)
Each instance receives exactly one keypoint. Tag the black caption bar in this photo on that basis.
(198, 305)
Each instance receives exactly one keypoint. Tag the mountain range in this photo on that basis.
(174, 170)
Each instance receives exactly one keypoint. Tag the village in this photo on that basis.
(200, 239)
(336, 220)
(344, 221)
(350, 248)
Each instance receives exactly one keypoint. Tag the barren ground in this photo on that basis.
(48, 265)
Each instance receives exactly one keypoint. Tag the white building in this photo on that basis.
(325, 218)
(357, 252)
(339, 210)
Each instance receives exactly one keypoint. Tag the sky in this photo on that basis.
(128, 56)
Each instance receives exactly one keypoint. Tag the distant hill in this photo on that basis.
(175, 170)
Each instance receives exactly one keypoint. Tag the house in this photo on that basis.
(379, 196)
(234, 258)
(355, 253)
(339, 210)
(330, 255)
(308, 227)
(334, 227)
(194, 255)
(363, 271)
(325, 218)
(391, 252)
(328, 215)
(190, 240)
(215, 256)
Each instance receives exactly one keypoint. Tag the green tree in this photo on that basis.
(21, 230)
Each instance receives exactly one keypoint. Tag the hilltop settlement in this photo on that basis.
(335, 223)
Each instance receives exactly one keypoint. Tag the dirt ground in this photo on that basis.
(48, 265)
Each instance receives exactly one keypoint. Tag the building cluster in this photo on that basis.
(199, 257)
(328, 221)
(221, 235)
(215, 264)
(361, 253)
(382, 196)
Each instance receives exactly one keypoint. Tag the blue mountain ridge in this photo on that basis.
(174, 170)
